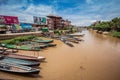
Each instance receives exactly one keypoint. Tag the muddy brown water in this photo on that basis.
(95, 58)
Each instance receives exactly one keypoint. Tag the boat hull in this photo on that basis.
(24, 57)
(20, 61)
(15, 68)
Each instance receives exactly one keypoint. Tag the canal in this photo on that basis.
(95, 58)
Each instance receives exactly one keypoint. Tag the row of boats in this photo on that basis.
(22, 64)
(16, 63)
(71, 38)
(34, 45)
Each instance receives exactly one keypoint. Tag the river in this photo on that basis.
(95, 58)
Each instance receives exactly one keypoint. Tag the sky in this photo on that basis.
(79, 12)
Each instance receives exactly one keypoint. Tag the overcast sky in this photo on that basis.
(80, 12)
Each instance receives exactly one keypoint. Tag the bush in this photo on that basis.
(115, 34)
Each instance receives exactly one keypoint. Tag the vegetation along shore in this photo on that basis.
(112, 27)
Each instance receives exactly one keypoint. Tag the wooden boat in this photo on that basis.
(6, 50)
(24, 57)
(50, 45)
(72, 40)
(63, 40)
(42, 41)
(32, 44)
(77, 35)
(44, 45)
(69, 44)
(15, 68)
(78, 39)
(24, 47)
(20, 61)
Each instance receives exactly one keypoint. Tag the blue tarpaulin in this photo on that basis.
(26, 26)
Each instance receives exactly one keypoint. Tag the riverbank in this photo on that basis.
(112, 33)
(115, 34)
(112, 27)
(13, 35)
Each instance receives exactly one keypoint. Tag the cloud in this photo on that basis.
(40, 10)
(25, 12)
(80, 12)
(85, 14)
(80, 20)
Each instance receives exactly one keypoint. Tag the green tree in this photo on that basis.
(116, 24)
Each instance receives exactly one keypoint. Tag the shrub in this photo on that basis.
(115, 34)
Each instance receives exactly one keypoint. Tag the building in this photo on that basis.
(67, 23)
(54, 22)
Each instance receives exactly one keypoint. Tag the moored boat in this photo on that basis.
(15, 68)
(37, 45)
(33, 44)
(42, 41)
(20, 61)
(25, 57)
(78, 39)
(72, 40)
(24, 47)
(77, 35)
(69, 44)
(50, 45)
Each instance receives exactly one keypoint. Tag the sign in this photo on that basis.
(39, 20)
(8, 20)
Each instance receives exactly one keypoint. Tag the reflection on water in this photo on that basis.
(96, 58)
(109, 39)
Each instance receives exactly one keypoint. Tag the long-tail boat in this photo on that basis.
(25, 57)
(19, 61)
(15, 68)
(24, 47)
(42, 41)
(67, 42)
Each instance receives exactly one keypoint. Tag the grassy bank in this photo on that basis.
(17, 40)
(115, 34)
